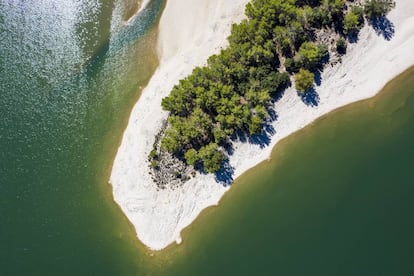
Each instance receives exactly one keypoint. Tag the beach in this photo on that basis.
(187, 41)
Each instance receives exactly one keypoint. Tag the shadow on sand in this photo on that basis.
(310, 97)
(383, 27)
(225, 175)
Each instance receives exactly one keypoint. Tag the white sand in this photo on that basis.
(190, 31)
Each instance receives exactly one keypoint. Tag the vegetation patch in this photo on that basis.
(280, 41)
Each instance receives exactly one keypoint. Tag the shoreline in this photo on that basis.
(160, 216)
(143, 4)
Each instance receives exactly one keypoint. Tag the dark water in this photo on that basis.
(336, 199)
(70, 71)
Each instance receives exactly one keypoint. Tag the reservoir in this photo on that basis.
(335, 198)
(71, 71)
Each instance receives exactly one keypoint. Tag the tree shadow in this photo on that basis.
(272, 115)
(383, 27)
(325, 60)
(225, 175)
(264, 138)
(239, 136)
(318, 78)
(310, 97)
(278, 95)
(353, 38)
(228, 147)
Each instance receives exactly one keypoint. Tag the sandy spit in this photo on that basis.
(191, 31)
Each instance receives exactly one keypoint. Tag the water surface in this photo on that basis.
(70, 72)
(336, 198)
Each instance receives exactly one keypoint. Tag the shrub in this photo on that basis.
(341, 46)
(304, 80)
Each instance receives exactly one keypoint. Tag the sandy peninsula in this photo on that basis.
(191, 31)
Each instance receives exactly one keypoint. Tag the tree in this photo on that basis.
(191, 156)
(377, 8)
(351, 23)
(211, 157)
(311, 55)
(291, 65)
(234, 91)
(171, 141)
(255, 125)
(296, 34)
(304, 80)
(283, 42)
(219, 134)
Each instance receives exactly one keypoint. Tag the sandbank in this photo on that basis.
(191, 31)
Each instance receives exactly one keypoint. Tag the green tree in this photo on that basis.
(377, 8)
(171, 141)
(233, 92)
(351, 23)
(191, 156)
(304, 80)
(283, 42)
(291, 65)
(335, 8)
(255, 125)
(211, 157)
(311, 56)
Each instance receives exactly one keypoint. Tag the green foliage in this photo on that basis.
(310, 56)
(359, 11)
(292, 66)
(233, 92)
(353, 22)
(211, 157)
(154, 164)
(335, 7)
(304, 80)
(191, 156)
(171, 141)
(153, 154)
(377, 8)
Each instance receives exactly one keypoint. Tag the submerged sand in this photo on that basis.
(191, 31)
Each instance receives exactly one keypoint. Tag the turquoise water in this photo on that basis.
(336, 198)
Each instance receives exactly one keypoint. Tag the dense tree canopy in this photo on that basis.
(233, 93)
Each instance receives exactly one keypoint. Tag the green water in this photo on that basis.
(70, 71)
(336, 199)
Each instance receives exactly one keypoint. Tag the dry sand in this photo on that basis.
(191, 31)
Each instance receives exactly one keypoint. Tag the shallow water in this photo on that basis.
(336, 199)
